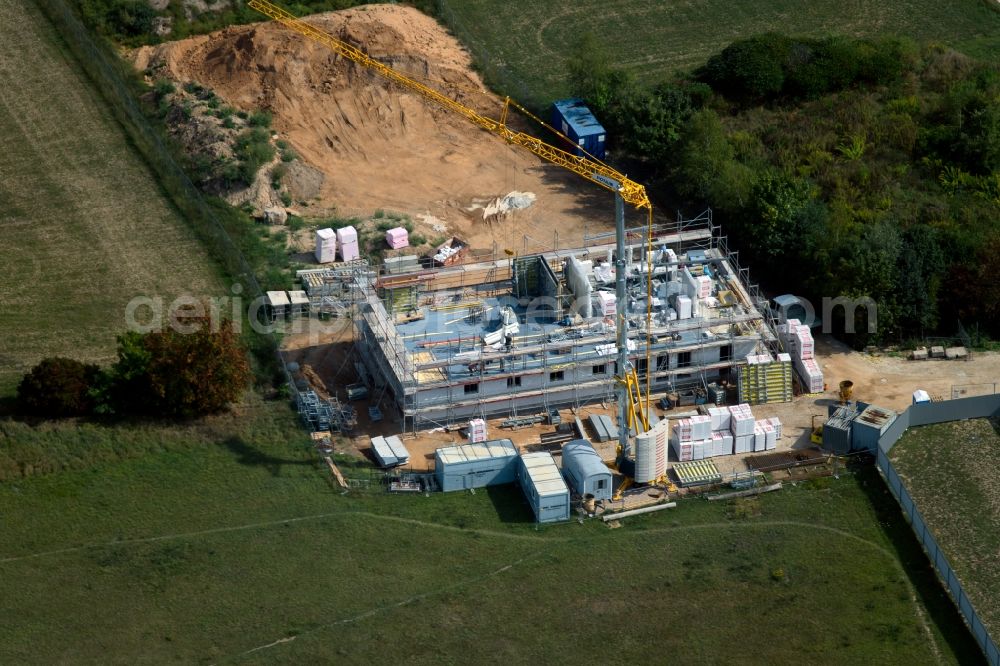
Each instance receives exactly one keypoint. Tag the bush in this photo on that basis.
(260, 119)
(253, 149)
(163, 87)
(58, 387)
(751, 69)
(187, 372)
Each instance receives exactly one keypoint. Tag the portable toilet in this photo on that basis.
(574, 119)
(585, 471)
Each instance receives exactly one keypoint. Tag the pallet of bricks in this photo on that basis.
(798, 340)
(723, 431)
(764, 379)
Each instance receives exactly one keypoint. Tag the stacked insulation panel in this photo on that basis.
(799, 342)
(397, 238)
(742, 426)
(763, 379)
(326, 246)
(770, 436)
(477, 430)
(608, 303)
(776, 424)
(692, 439)
(347, 240)
(731, 430)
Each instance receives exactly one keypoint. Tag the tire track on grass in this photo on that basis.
(388, 607)
(274, 523)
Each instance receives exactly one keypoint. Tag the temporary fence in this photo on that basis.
(926, 414)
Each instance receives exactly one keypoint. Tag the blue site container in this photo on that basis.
(490, 463)
(574, 119)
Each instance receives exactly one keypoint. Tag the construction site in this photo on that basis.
(519, 336)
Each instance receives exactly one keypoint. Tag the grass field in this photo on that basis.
(655, 39)
(232, 548)
(951, 470)
(84, 226)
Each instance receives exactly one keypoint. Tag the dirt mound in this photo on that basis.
(378, 145)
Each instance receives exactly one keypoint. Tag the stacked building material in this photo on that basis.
(742, 427)
(812, 376)
(696, 286)
(683, 307)
(721, 418)
(382, 453)
(399, 450)
(759, 438)
(776, 424)
(770, 436)
(608, 303)
(347, 242)
(326, 246)
(722, 443)
(397, 238)
(477, 430)
(763, 379)
(799, 342)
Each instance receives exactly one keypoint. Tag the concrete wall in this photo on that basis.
(927, 413)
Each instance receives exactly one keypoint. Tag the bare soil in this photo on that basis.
(378, 145)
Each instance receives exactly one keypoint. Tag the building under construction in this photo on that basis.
(520, 335)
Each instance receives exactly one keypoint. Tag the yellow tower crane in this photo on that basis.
(631, 407)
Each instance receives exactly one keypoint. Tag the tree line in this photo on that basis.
(838, 167)
(181, 371)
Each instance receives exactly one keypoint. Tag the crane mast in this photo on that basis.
(630, 409)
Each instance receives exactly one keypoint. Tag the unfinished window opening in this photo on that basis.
(513, 381)
(601, 369)
(471, 388)
(684, 359)
(556, 376)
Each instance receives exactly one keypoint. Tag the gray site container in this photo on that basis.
(479, 465)
(585, 471)
(868, 426)
(837, 430)
(544, 487)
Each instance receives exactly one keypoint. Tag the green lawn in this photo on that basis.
(529, 41)
(84, 226)
(951, 471)
(230, 538)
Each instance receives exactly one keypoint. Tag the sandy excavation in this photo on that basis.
(379, 146)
